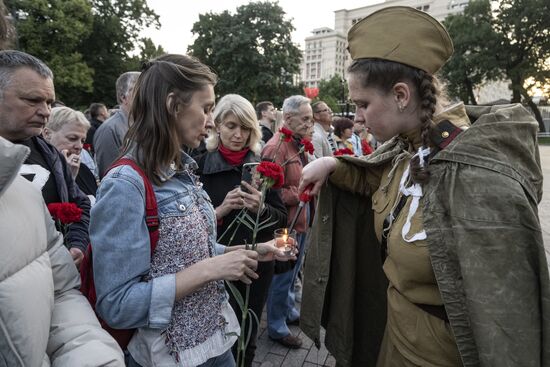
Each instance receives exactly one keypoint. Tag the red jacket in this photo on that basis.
(293, 173)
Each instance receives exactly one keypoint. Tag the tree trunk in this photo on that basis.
(470, 89)
(517, 86)
(535, 109)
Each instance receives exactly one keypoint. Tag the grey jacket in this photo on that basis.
(481, 219)
(108, 140)
(44, 319)
(320, 142)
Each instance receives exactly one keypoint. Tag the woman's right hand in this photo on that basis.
(232, 201)
(316, 173)
(235, 265)
(73, 161)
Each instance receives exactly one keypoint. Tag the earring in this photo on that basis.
(400, 107)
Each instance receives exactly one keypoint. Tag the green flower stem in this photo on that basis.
(237, 219)
(277, 150)
(242, 339)
(294, 156)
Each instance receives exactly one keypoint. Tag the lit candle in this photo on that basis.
(284, 240)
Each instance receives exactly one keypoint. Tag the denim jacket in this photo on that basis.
(121, 245)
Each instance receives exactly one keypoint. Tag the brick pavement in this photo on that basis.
(271, 354)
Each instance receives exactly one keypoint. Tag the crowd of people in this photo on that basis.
(421, 246)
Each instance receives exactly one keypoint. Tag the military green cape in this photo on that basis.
(485, 242)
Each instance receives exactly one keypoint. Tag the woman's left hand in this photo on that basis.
(267, 251)
(251, 199)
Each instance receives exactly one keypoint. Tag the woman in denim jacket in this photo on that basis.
(174, 297)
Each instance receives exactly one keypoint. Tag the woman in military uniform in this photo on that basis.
(447, 207)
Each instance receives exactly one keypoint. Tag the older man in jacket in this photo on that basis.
(298, 119)
(26, 95)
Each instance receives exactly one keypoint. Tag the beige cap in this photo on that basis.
(402, 34)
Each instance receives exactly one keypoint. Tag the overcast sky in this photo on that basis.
(177, 17)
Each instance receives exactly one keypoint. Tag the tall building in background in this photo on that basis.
(325, 53)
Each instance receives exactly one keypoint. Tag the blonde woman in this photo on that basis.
(66, 130)
(235, 142)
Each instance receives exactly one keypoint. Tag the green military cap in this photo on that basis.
(402, 34)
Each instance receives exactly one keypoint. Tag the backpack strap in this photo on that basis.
(151, 209)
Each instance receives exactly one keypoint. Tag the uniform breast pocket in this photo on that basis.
(380, 202)
(177, 206)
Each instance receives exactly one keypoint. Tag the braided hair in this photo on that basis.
(384, 74)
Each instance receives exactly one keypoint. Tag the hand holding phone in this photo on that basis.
(249, 175)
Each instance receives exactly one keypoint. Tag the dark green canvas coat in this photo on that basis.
(485, 242)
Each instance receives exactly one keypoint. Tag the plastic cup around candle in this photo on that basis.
(285, 241)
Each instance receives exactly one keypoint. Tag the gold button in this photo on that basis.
(445, 134)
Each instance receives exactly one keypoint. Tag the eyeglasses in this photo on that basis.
(325, 110)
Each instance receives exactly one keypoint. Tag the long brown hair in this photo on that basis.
(153, 131)
(384, 74)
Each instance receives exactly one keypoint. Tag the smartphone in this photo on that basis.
(249, 175)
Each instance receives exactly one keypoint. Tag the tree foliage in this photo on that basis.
(107, 49)
(509, 39)
(251, 50)
(52, 30)
(86, 43)
(334, 92)
(471, 65)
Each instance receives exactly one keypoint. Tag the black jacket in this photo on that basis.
(219, 178)
(68, 191)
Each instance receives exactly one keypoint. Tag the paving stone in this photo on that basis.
(274, 360)
(279, 349)
(295, 357)
(317, 356)
(306, 341)
(330, 362)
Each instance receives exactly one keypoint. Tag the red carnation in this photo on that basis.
(307, 145)
(273, 173)
(343, 151)
(87, 146)
(305, 197)
(66, 213)
(367, 149)
(286, 134)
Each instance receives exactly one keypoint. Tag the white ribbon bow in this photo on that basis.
(416, 192)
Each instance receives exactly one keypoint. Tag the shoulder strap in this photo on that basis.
(151, 209)
(444, 133)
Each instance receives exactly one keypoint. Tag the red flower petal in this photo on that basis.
(272, 171)
(286, 134)
(308, 146)
(343, 151)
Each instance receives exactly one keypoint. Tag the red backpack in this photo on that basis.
(122, 336)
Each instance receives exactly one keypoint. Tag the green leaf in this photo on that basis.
(236, 294)
(262, 227)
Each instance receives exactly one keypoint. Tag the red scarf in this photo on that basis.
(231, 157)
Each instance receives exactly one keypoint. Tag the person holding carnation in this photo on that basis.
(287, 148)
(175, 297)
(235, 142)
